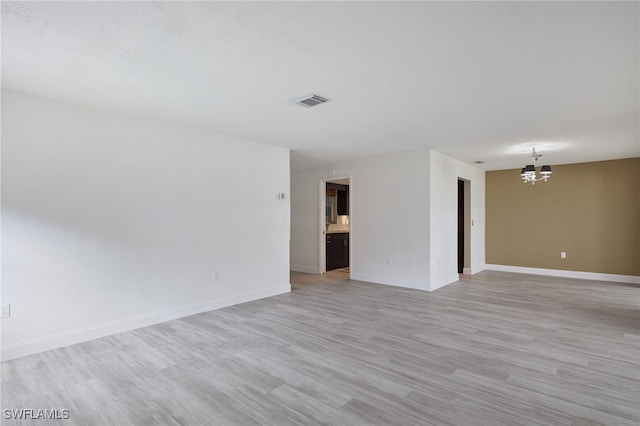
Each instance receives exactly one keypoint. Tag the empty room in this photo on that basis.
(320, 212)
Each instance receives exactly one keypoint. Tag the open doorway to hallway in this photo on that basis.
(335, 253)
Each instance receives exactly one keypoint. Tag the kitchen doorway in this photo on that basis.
(335, 228)
(464, 226)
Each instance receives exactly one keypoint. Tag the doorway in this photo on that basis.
(464, 226)
(335, 227)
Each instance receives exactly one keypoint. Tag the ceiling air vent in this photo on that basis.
(311, 101)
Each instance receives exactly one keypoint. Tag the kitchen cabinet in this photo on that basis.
(341, 193)
(337, 250)
(343, 201)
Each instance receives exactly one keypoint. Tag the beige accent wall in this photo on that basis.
(589, 210)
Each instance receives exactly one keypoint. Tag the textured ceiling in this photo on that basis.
(473, 80)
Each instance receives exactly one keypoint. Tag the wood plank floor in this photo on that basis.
(492, 349)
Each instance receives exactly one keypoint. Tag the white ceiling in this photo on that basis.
(473, 80)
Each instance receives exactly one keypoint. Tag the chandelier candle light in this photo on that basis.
(528, 173)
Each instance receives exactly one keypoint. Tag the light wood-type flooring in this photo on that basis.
(491, 349)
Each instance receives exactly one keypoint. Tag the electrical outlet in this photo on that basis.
(6, 311)
(388, 260)
(563, 255)
(216, 277)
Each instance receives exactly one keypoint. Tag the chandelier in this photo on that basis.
(528, 173)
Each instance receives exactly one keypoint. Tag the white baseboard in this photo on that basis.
(387, 281)
(402, 283)
(305, 269)
(452, 279)
(630, 279)
(58, 340)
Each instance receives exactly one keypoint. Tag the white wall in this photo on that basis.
(111, 223)
(389, 215)
(444, 174)
(404, 208)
